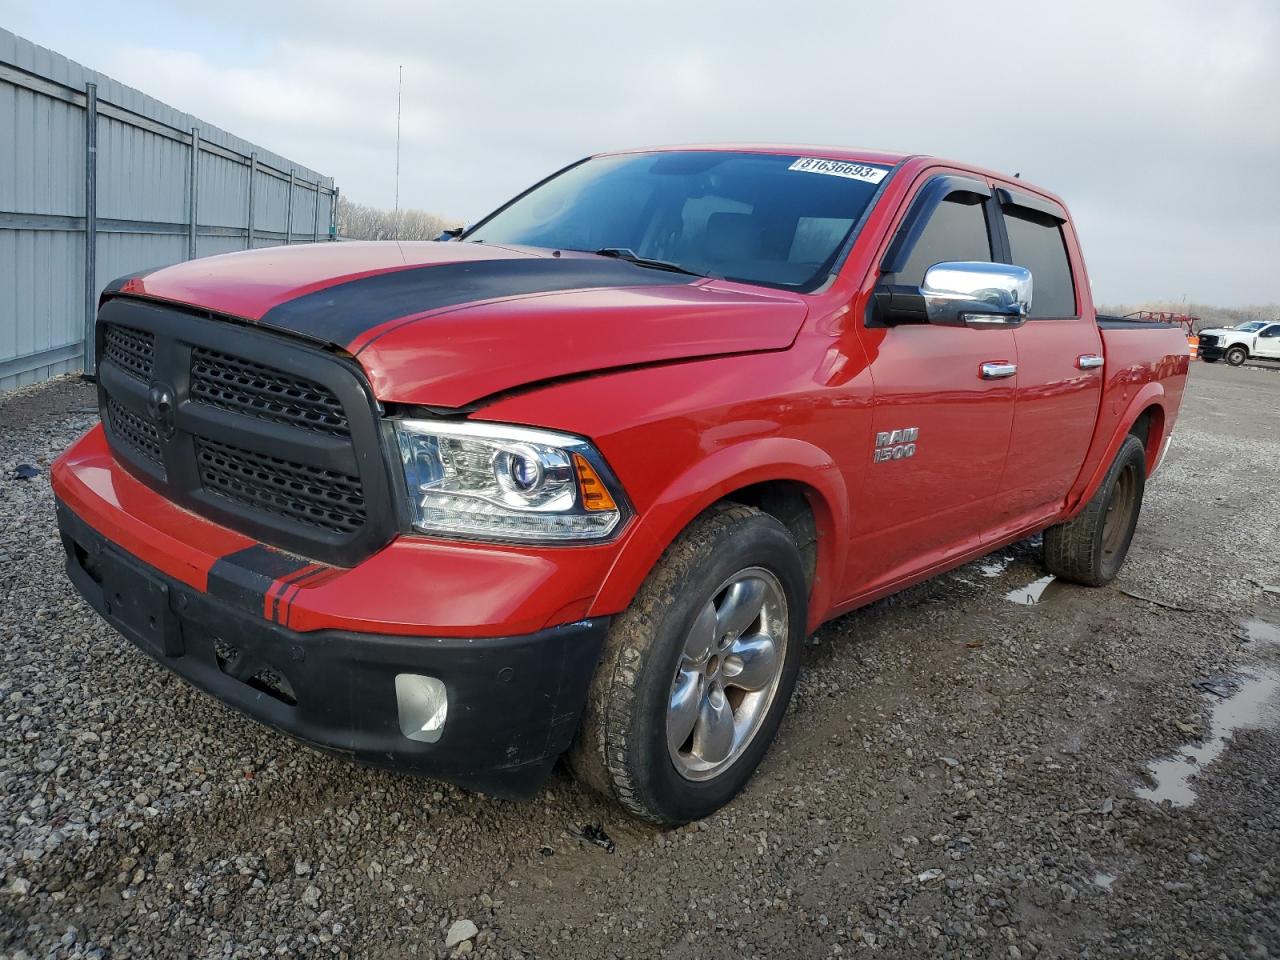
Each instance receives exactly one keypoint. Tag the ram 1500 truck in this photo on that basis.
(1257, 339)
(581, 480)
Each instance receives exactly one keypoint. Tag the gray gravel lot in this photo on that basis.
(958, 776)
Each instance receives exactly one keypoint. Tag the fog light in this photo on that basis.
(423, 706)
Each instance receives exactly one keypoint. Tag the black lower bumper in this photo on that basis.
(513, 702)
(1210, 353)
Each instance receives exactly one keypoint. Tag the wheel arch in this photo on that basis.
(792, 503)
(1149, 426)
(1145, 411)
(769, 474)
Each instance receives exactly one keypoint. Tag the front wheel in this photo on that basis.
(698, 671)
(1090, 548)
(1236, 356)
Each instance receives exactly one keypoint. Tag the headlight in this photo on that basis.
(496, 482)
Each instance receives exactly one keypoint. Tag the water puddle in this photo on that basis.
(1250, 700)
(1259, 631)
(995, 567)
(1032, 593)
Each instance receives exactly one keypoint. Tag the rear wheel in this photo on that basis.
(1236, 356)
(698, 671)
(1090, 548)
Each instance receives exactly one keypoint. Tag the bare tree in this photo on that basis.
(356, 221)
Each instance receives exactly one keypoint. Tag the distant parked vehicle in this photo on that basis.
(1255, 340)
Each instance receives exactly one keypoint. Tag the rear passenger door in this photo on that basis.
(1060, 372)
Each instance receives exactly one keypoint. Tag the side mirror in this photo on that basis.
(976, 294)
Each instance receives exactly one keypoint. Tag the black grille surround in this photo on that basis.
(263, 433)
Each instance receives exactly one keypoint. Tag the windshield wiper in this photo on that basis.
(625, 253)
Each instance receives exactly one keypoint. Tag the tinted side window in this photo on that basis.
(956, 231)
(1271, 331)
(1036, 242)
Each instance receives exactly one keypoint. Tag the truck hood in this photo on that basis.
(446, 324)
(1223, 332)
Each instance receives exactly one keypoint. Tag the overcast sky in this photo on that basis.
(1158, 122)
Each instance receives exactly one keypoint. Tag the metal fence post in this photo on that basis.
(89, 361)
(315, 216)
(333, 214)
(192, 201)
(253, 179)
(288, 230)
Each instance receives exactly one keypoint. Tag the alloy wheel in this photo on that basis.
(728, 674)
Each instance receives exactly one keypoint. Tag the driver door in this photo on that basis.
(944, 422)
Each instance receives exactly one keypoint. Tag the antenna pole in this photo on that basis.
(399, 89)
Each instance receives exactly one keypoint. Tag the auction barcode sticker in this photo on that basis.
(840, 168)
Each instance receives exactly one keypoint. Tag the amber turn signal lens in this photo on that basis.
(595, 496)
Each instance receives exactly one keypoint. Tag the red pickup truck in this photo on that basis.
(581, 479)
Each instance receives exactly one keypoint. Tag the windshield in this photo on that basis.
(781, 221)
(1252, 325)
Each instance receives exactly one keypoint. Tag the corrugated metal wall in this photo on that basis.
(75, 214)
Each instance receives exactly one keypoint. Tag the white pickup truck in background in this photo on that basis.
(1255, 340)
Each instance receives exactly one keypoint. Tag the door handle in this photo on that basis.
(1089, 361)
(998, 370)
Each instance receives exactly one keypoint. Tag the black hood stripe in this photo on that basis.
(341, 313)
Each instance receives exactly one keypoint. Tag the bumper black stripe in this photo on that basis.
(245, 577)
(283, 607)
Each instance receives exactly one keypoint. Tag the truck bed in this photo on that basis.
(1107, 322)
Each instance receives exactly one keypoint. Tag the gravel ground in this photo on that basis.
(960, 775)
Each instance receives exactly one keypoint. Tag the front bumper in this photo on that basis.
(1210, 353)
(514, 702)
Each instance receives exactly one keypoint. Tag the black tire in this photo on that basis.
(1090, 548)
(622, 749)
(1236, 356)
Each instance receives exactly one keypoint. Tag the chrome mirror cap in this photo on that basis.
(977, 294)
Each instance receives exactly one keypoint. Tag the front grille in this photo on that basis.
(1208, 340)
(304, 494)
(133, 351)
(135, 431)
(301, 465)
(245, 387)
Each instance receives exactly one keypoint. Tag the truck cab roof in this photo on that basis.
(885, 158)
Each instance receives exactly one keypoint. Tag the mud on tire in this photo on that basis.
(622, 748)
